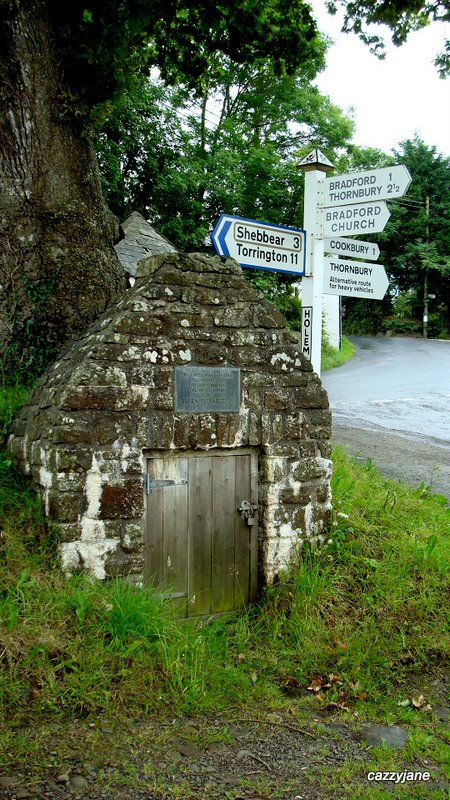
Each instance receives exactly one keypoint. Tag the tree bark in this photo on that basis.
(58, 269)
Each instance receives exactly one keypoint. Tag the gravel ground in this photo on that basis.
(303, 752)
(399, 457)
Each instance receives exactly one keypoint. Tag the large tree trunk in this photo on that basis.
(58, 269)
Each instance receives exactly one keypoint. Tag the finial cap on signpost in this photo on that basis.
(316, 160)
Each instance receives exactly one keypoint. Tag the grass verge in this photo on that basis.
(355, 619)
(332, 357)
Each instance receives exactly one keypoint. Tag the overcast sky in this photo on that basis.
(392, 99)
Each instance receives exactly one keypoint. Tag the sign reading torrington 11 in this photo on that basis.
(260, 245)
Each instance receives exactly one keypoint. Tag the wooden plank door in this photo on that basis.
(198, 548)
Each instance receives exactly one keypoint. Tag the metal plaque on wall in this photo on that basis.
(207, 389)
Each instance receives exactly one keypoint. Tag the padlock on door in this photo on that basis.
(247, 511)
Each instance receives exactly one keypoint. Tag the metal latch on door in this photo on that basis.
(247, 511)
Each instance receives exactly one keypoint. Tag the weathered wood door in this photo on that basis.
(198, 549)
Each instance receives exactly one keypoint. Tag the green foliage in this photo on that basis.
(356, 159)
(182, 161)
(104, 43)
(332, 357)
(33, 344)
(363, 317)
(12, 397)
(416, 242)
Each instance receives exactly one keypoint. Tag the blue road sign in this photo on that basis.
(260, 245)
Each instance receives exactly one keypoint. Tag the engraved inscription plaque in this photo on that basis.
(203, 389)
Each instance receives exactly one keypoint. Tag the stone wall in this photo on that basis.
(82, 436)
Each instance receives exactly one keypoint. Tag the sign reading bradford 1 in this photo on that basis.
(375, 184)
(260, 245)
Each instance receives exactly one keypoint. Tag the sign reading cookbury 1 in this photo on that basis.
(207, 389)
(260, 245)
(352, 247)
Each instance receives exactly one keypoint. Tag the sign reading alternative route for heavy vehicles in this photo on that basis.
(352, 247)
(260, 245)
(360, 218)
(375, 184)
(354, 279)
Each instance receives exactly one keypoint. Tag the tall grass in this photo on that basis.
(366, 608)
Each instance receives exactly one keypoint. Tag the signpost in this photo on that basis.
(354, 279)
(352, 247)
(260, 245)
(337, 207)
(334, 208)
(375, 184)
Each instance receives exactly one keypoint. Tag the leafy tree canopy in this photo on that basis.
(181, 161)
(401, 16)
(105, 42)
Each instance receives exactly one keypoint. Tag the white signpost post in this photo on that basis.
(315, 166)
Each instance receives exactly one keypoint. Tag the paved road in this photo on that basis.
(391, 403)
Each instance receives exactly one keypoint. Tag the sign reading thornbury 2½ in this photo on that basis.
(354, 279)
(260, 245)
(375, 184)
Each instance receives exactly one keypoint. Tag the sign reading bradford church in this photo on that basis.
(207, 389)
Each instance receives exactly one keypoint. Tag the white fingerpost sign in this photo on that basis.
(354, 279)
(260, 245)
(315, 167)
(362, 187)
(352, 247)
(358, 218)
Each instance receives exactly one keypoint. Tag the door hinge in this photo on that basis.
(160, 483)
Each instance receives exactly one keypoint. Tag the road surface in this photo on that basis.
(391, 403)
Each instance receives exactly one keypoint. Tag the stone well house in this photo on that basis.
(183, 440)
